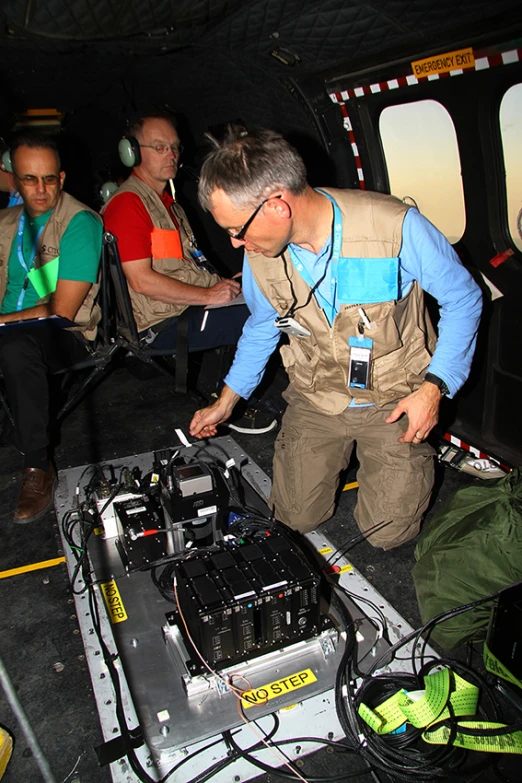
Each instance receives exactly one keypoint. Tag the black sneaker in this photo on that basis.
(253, 422)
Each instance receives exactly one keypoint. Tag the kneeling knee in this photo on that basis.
(392, 535)
(302, 520)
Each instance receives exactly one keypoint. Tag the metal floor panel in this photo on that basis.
(177, 727)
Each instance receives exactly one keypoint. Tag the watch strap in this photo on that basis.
(438, 382)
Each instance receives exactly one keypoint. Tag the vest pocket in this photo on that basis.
(417, 363)
(384, 333)
(402, 372)
(300, 363)
(367, 280)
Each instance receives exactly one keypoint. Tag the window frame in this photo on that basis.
(416, 195)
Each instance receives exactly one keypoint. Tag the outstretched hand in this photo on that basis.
(422, 409)
(205, 421)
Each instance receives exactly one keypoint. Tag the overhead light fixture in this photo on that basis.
(285, 56)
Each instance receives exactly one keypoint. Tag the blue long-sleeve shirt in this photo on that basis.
(425, 256)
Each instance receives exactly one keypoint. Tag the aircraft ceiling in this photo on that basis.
(213, 60)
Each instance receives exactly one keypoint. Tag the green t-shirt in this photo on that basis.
(79, 258)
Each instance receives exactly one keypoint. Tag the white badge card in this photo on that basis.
(360, 362)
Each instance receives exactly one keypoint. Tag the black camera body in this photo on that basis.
(192, 498)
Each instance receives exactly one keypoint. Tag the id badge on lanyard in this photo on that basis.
(360, 362)
(359, 376)
(21, 259)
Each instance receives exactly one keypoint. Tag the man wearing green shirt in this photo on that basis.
(49, 256)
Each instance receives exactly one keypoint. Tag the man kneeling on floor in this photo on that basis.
(49, 256)
(342, 272)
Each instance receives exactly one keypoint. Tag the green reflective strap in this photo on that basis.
(422, 708)
(502, 743)
(494, 666)
(422, 711)
(429, 708)
(464, 699)
(385, 718)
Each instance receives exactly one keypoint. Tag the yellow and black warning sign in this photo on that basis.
(259, 696)
(115, 607)
(444, 63)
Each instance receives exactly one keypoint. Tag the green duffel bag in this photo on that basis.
(471, 548)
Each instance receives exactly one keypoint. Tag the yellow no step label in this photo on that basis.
(111, 594)
(259, 696)
(6, 749)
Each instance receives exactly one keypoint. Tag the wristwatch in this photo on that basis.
(438, 382)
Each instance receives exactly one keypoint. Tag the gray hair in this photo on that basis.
(248, 165)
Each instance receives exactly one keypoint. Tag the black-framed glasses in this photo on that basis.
(31, 181)
(162, 149)
(240, 235)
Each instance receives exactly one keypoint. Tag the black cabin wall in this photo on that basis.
(97, 87)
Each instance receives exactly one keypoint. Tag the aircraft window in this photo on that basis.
(511, 131)
(422, 156)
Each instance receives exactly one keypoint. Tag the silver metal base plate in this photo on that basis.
(182, 716)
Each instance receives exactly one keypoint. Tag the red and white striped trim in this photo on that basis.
(482, 62)
(348, 127)
(466, 447)
(472, 450)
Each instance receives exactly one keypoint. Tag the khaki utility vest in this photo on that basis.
(403, 337)
(147, 311)
(89, 314)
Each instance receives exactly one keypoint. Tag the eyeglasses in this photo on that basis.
(31, 181)
(162, 149)
(240, 235)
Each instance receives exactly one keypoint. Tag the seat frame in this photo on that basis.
(126, 329)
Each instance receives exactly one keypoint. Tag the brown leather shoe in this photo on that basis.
(36, 494)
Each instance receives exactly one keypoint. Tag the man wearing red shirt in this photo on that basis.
(159, 253)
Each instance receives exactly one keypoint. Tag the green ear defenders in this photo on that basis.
(6, 161)
(129, 150)
(107, 189)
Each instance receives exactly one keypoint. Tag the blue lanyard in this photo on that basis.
(333, 258)
(21, 259)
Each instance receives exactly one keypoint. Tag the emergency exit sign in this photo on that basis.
(443, 63)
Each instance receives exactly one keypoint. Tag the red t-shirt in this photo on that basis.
(131, 224)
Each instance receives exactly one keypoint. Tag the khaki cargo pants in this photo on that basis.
(395, 479)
